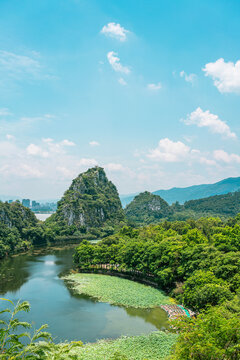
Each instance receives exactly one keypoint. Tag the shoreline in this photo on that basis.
(117, 291)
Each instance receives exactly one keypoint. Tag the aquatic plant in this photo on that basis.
(117, 291)
(154, 346)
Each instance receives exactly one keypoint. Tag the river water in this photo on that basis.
(36, 278)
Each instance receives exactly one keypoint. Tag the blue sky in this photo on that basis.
(150, 90)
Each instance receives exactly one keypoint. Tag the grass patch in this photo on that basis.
(117, 291)
(154, 346)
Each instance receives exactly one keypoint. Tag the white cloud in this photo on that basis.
(206, 119)
(209, 162)
(26, 170)
(169, 151)
(154, 87)
(18, 64)
(115, 31)
(68, 174)
(114, 167)
(4, 112)
(221, 155)
(225, 75)
(47, 140)
(114, 61)
(21, 170)
(21, 125)
(8, 149)
(122, 82)
(35, 150)
(67, 143)
(87, 162)
(94, 143)
(49, 116)
(188, 77)
(10, 137)
(48, 148)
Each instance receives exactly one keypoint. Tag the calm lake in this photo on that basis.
(42, 217)
(36, 278)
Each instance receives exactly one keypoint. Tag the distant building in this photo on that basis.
(26, 202)
(35, 204)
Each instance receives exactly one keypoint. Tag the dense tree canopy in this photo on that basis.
(15, 222)
(147, 208)
(198, 263)
(91, 205)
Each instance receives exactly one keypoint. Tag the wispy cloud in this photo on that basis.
(67, 143)
(114, 61)
(5, 112)
(115, 31)
(188, 77)
(154, 87)
(21, 124)
(94, 143)
(206, 119)
(87, 162)
(35, 150)
(225, 157)
(114, 167)
(122, 81)
(15, 66)
(18, 64)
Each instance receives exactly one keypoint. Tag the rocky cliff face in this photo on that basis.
(91, 201)
(147, 208)
(16, 215)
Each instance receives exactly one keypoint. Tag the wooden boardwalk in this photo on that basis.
(175, 311)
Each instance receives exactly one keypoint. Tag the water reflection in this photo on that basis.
(155, 316)
(13, 273)
(70, 316)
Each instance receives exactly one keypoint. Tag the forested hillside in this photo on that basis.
(228, 205)
(197, 262)
(147, 208)
(91, 206)
(16, 224)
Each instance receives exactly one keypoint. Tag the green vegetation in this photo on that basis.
(90, 207)
(198, 263)
(117, 291)
(147, 208)
(11, 344)
(172, 253)
(16, 344)
(226, 205)
(154, 346)
(181, 195)
(18, 228)
(214, 334)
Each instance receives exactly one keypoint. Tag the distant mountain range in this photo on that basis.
(192, 192)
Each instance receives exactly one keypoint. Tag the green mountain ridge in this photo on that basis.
(16, 222)
(192, 192)
(90, 205)
(147, 208)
